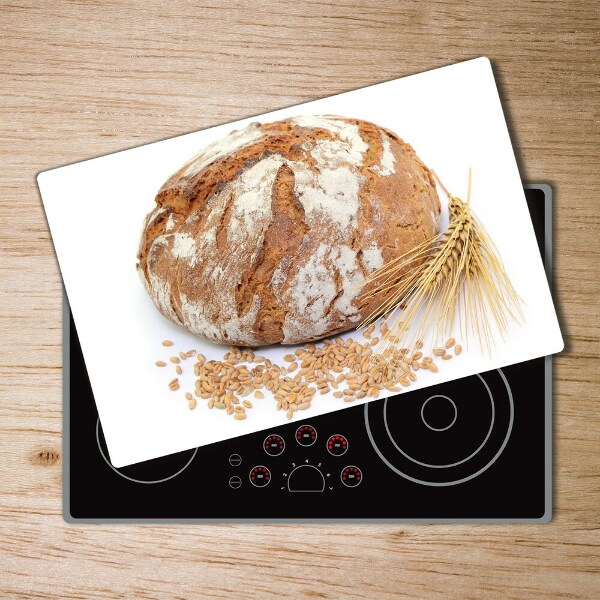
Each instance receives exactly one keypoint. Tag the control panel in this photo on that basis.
(307, 462)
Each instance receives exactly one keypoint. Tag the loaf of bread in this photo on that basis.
(267, 235)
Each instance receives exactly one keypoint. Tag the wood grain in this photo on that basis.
(86, 78)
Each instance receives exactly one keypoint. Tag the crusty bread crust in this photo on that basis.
(267, 235)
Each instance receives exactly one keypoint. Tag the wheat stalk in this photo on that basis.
(462, 277)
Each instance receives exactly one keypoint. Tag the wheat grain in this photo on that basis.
(334, 364)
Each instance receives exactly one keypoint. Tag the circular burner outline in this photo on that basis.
(464, 479)
(189, 462)
(439, 428)
(449, 465)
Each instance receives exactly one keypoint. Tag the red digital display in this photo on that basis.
(306, 435)
(337, 445)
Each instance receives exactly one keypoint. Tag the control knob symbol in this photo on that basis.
(260, 476)
(351, 476)
(337, 445)
(274, 445)
(235, 482)
(306, 478)
(235, 460)
(306, 435)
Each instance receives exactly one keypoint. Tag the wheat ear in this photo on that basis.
(462, 277)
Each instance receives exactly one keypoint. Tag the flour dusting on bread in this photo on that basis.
(310, 293)
(386, 164)
(184, 246)
(223, 147)
(373, 257)
(251, 199)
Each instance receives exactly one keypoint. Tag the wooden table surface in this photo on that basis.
(85, 78)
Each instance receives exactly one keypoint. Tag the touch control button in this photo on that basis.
(235, 482)
(260, 476)
(306, 435)
(235, 460)
(274, 445)
(337, 445)
(351, 476)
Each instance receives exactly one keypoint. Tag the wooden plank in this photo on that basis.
(81, 79)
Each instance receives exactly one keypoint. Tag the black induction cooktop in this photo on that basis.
(471, 450)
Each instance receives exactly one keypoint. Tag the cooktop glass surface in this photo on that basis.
(475, 449)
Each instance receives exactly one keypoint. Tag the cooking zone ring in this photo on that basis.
(398, 460)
